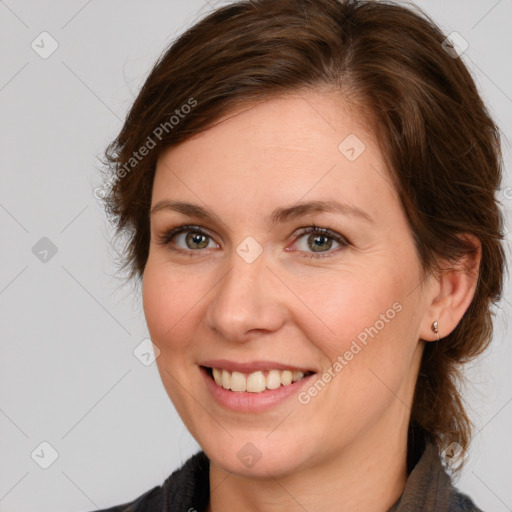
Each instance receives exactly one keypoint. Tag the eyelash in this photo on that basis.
(167, 237)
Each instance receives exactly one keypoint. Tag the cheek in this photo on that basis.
(373, 350)
(166, 303)
(350, 306)
(168, 307)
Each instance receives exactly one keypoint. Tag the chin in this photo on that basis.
(255, 455)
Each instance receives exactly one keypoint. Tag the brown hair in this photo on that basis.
(437, 137)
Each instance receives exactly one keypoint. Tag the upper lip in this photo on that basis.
(252, 366)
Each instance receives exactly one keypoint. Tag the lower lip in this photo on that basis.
(243, 401)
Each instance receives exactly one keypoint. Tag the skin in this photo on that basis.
(346, 448)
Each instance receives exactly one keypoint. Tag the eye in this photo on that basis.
(319, 241)
(186, 239)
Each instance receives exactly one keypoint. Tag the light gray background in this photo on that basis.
(68, 375)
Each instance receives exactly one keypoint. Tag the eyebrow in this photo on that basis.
(281, 214)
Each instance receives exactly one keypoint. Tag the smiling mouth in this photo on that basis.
(255, 382)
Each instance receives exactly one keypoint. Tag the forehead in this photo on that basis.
(301, 146)
(300, 122)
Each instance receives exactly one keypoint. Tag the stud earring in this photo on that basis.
(435, 328)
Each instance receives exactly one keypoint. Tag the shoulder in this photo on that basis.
(148, 502)
(186, 488)
(462, 503)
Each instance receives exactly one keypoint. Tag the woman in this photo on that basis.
(307, 187)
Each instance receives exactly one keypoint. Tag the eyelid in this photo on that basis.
(166, 237)
(324, 231)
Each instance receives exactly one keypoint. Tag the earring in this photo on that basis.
(435, 328)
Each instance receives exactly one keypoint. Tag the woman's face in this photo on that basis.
(261, 296)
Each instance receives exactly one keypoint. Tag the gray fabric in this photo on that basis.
(429, 488)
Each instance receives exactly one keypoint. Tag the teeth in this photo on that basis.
(273, 379)
(226, 380)
(238, 382)
(255, 382)
(286, 378)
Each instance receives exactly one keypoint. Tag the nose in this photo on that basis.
(246, 302)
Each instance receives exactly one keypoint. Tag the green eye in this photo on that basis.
(319, 241)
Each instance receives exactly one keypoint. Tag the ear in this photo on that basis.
(452, 292)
